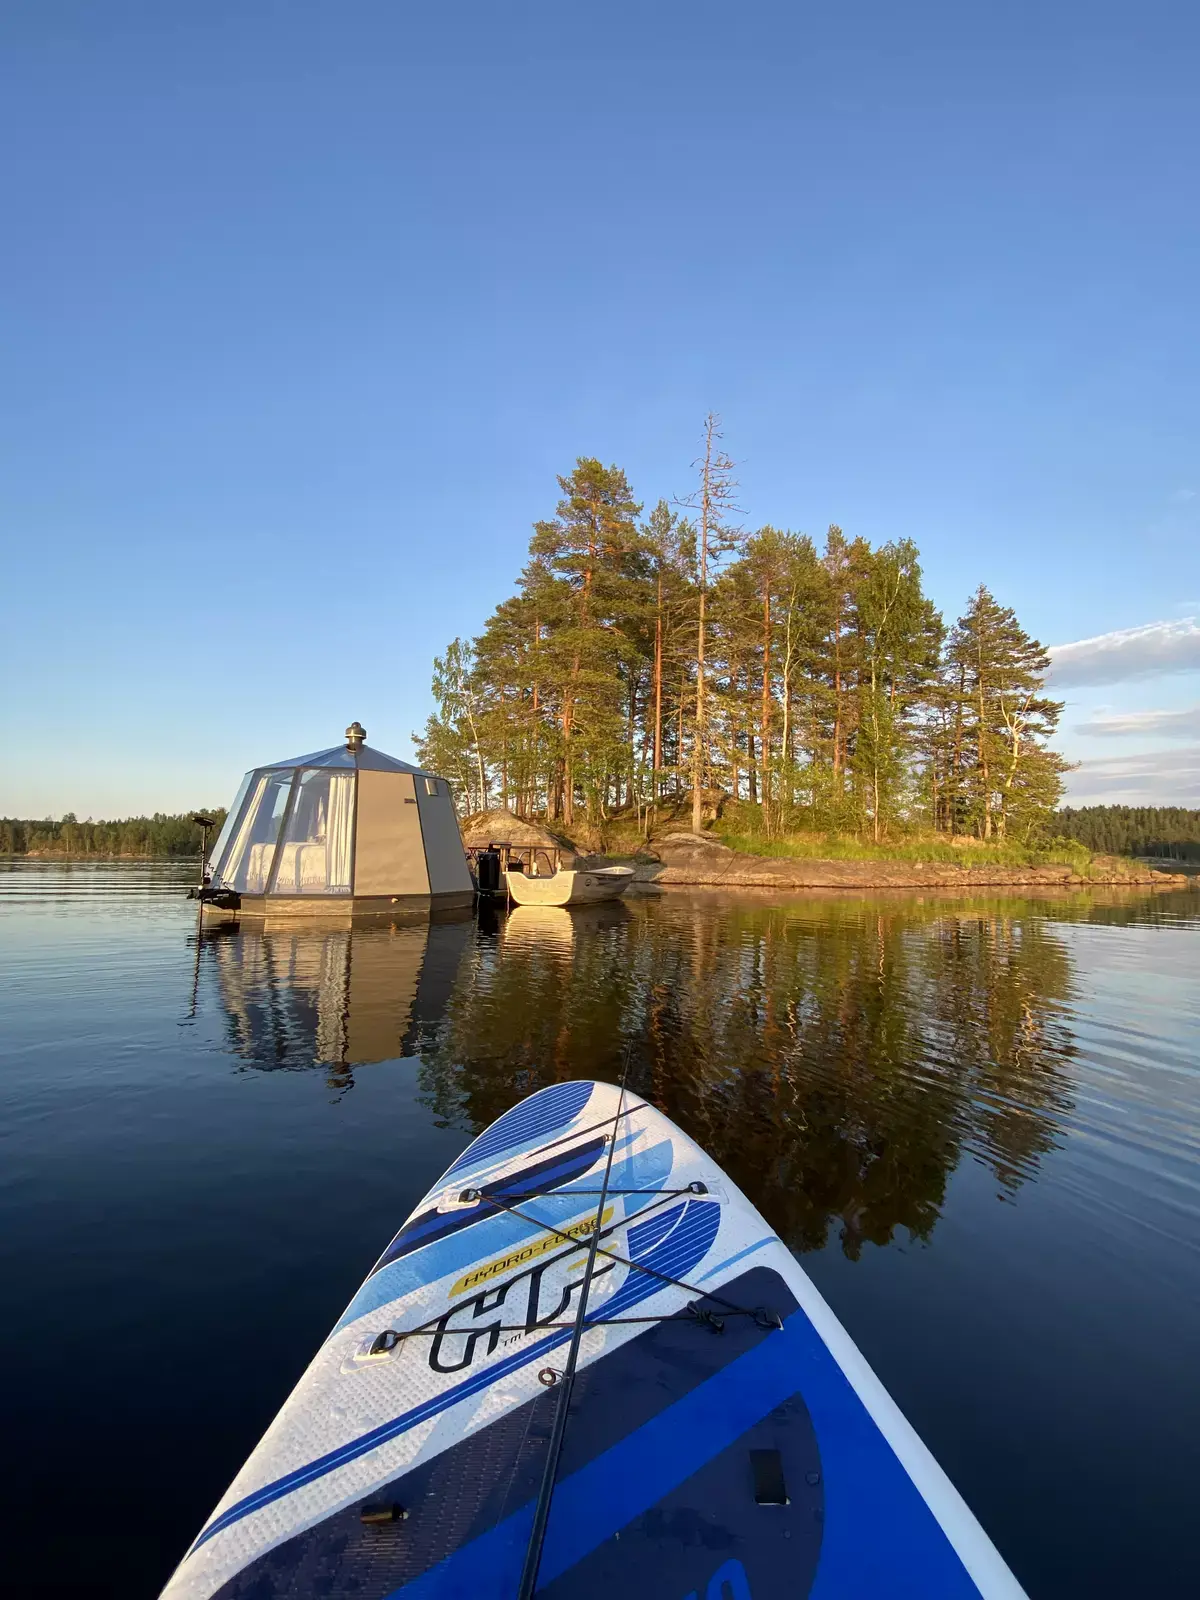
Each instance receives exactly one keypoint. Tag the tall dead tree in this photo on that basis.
(716, 536)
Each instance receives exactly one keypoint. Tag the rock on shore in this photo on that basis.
(692, 858)
(504, 827)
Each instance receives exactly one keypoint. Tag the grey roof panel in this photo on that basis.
(338, 756)
(376, 761)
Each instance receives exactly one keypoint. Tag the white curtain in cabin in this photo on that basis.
(314, 855)
(228, 861)
(340, 831)
(252, 852)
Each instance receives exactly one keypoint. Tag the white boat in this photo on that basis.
(574, 888)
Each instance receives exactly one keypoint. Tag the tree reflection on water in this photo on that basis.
(840, 1058)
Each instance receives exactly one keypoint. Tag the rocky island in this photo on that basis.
(684, 859)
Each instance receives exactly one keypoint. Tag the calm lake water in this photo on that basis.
(977, 1123)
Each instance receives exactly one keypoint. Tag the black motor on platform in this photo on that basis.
(487, 871)
(223, 899)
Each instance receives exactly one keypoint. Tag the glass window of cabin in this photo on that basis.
(230, 823)
(251, 852)
(431, 786)
(314, 853)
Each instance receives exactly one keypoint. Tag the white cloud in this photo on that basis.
(1125, 724)
(1182, 496)
(1162, 778)
(1145, 652)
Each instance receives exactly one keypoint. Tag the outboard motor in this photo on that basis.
(223, 899)
(487, 866)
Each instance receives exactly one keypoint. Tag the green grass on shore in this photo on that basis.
(846, 847)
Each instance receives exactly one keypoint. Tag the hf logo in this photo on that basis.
(462, 1329)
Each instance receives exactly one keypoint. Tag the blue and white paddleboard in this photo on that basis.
(514, 1403)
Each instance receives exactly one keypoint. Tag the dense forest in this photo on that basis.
(675, 657)
(1111, 830)
(159, 835)
(1161, 831)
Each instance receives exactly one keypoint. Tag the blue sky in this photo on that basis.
(303, 307)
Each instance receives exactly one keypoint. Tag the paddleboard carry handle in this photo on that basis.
(379, 1516)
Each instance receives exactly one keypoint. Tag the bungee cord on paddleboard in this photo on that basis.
(432, 1328)
(541, 1511)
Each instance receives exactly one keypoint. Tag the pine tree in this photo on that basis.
(1014, 779)
(900, 635)
(589, 545)
(844, 562)
(716, 536)
(767, 561)
(669, 543)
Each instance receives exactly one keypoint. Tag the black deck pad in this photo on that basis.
(475, 1484)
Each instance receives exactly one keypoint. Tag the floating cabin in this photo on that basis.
(338, 834)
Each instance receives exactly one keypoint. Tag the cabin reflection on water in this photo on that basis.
(839, 1059)
(336, 997)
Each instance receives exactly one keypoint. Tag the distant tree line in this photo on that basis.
(653, 660)
(159, 835)
(1165, 831)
